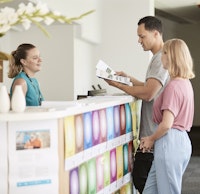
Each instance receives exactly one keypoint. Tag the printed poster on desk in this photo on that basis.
(3, 159)
(33, 156)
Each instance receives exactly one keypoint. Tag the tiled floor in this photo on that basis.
(191, 178)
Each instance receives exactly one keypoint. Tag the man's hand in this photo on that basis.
(112, 83)
(121, 73)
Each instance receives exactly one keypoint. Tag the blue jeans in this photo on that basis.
(172, 153)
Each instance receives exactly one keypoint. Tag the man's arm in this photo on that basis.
(145, 92)
(134, 81)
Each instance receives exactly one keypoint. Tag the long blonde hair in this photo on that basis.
(15, 65)
(179, 59)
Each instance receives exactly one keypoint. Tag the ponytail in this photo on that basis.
(15, 65)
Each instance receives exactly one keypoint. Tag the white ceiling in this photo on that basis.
(182, 11)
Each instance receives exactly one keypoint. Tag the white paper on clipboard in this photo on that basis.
(106, 72)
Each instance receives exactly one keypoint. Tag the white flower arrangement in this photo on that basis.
(31, 13)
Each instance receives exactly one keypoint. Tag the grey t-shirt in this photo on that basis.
(155, 70)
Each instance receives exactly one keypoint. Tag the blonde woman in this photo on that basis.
(173, 112)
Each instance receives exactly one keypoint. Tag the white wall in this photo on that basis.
(56, 77)
(73, 8)
(70, 56)
(84, 66)
(119, 47)
(116, 43)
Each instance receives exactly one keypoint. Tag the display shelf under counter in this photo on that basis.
(62, 147)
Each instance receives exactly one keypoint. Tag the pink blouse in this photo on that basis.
(178, 98)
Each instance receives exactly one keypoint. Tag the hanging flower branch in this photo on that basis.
(26, 15)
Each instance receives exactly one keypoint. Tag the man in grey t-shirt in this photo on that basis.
(155, 70)
(150, 37)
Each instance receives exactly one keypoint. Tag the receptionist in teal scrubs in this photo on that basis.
(25, 62)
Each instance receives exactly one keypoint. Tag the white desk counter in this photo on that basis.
(83, 146)
(59, 109)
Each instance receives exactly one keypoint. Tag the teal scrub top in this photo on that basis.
(34, 96)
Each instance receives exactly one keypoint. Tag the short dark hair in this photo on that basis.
(151, 23)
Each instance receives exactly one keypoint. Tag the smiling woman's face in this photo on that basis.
(32, 63)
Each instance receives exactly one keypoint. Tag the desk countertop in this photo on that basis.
(59, 109)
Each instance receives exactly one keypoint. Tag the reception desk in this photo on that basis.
(83, 146)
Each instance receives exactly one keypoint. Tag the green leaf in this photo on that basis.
(5, 1)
